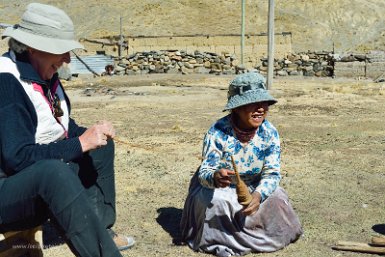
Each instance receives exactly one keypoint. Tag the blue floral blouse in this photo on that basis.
(258, 161)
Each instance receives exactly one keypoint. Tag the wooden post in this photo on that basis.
(243, 30)
(358, 247)
(120, 39)
(270, 64)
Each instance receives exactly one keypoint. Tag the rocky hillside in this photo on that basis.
(348, 25)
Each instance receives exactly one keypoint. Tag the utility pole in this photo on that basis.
(243, 30)
(120, 44)
(270, 62)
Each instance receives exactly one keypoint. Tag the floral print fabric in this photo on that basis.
(258, 161)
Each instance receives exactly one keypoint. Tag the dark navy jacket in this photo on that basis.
(18, 122)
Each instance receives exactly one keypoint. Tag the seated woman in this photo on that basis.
(50, 167)
(213, 220)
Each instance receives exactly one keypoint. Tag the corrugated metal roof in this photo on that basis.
(5, 25)
(96, 62)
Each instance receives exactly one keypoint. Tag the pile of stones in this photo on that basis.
(174, 61)
(318, 64)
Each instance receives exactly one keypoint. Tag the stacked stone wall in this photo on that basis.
(223, 55)
(255, 46)
(319, 64)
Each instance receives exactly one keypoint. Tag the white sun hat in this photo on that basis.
(45, 28)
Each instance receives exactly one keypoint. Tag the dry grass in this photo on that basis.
(332, 134)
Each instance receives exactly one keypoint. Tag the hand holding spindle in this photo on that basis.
(244, 196)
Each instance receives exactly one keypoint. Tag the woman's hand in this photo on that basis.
(96, 136)
(253, 205)
(222, 177)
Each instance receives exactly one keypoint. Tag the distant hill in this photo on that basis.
(348, 25)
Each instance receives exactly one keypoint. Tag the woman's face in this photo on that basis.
(251, 116)
(47, 64)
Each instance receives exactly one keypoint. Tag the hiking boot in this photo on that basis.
(122, 242)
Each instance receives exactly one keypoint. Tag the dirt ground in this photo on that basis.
(333, 141)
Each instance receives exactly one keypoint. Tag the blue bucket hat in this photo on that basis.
(247, 88)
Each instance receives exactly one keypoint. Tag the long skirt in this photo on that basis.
(212, 222)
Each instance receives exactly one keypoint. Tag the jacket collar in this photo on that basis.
(27, 72)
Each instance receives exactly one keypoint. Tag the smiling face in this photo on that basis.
(251, 116)
(47, 64)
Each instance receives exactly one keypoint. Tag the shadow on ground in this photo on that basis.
(169, 218)
(379, 228)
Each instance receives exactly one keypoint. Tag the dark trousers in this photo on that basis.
(79, 197)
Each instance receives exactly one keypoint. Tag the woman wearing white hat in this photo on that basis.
(49, 166)
(214, 220)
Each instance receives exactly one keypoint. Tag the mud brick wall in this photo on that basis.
(370, 65)
(353, 69)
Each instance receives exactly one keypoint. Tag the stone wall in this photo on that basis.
(319, 64)
(175, 61)
(326, 64)
(255, 46)
(185, 62)
(221, 54)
